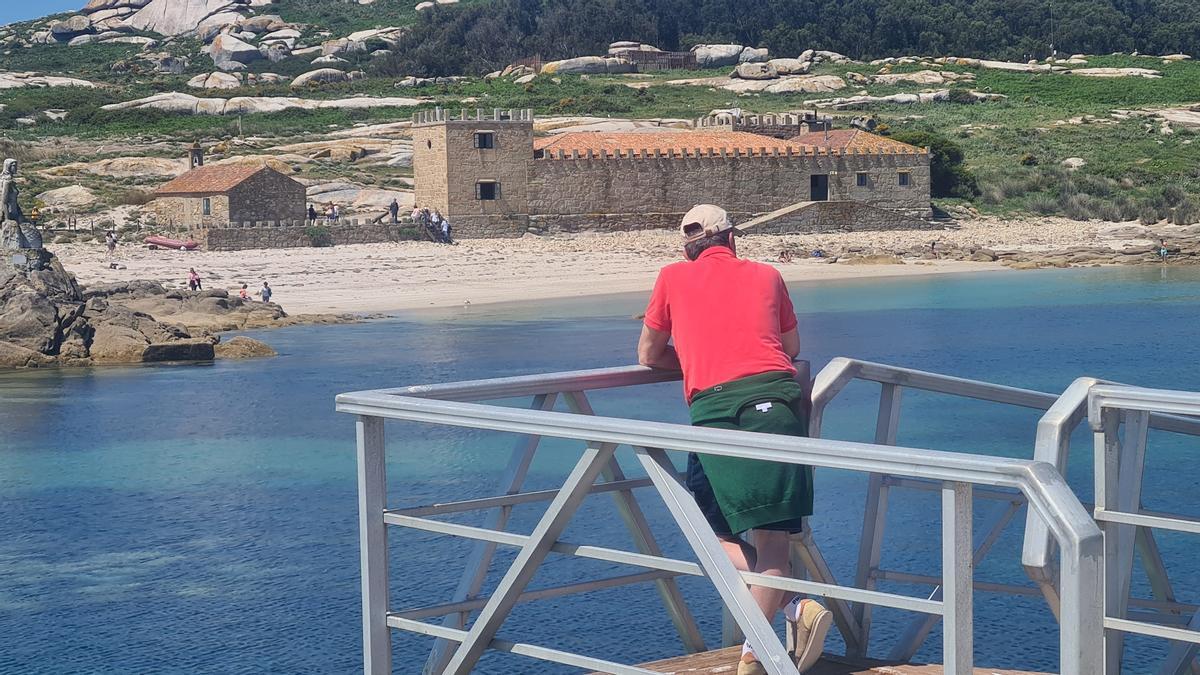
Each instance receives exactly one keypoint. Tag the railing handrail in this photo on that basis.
(1044, 488)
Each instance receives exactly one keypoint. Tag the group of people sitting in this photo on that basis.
(433, 224)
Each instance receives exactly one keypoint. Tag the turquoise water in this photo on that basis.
(203, 518)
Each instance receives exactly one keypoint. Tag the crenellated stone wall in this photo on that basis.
(618, 189)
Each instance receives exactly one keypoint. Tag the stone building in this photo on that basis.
(491, 177)
(215, 196)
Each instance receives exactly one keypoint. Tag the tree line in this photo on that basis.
(480, 37)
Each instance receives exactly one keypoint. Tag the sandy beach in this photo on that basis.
(395, 277)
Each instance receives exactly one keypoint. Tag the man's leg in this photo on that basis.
(772, 550)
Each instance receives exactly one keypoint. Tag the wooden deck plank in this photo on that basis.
(724, 662)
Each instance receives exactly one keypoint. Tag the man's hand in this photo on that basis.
(654, 350)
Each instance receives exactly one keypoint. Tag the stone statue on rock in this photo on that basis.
(21, 240)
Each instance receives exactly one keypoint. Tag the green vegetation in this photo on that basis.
(947, 175)
(476, 39)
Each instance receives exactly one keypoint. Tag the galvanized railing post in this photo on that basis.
(372, 546)
(957, 579)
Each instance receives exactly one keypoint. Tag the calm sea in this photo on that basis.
(202, 519)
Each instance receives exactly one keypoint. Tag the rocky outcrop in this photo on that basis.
(176, 17)
(230, 53)
(29, 79)
(863, 101)
(1117, 72)
(588, 65)
(47, 319)
(242, 347)
(187, 104)
(70, 198)
(320, 76)
(717, 56)
(215, 81)
(755, 71)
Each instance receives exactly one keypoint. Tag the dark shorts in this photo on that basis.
(697, 482)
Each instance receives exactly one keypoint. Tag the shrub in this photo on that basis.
(947, 174)
(1173, 195)
(1148, 216)
(1029, 159)
(1043, 205)
(959, 95)
(319, 235)
(135, 197)
(1186, 213)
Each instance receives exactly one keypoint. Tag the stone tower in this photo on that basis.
(474, 168)
(195, 156)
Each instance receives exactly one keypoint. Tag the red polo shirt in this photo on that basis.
(726, 316)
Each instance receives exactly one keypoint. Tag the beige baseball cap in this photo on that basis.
(704, 220)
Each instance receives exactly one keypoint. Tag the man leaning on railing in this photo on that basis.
(734, 332)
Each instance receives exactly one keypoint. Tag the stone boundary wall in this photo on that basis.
(241, 237)
(647, 183)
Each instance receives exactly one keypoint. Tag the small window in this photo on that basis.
(485, 139)
(905, 179)
(206, 206)
(429, 144)
(487, 190)
(861, 179)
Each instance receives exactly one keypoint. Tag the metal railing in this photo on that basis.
(958, 477)
(1120, 461)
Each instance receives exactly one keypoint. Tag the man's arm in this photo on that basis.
(654, 350)
(791, 343)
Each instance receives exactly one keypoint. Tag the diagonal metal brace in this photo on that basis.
(575, 488)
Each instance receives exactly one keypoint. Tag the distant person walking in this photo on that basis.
(312, 214)
(265, 292)
(735, 336)
(110, 243)
(337, 213)
(1162, 250)
(194, 280)
(394, 210)
(416, 214)
(446, 231)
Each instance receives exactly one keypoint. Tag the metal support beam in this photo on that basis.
(480, 558)
(717, 566)
(643, 538)
(372, 546)
(957, 572)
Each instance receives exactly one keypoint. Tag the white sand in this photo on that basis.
(380, 278)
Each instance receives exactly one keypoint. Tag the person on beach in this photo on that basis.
(435, 226)
(194, 280)
(312, 215)
(1162, 250)
(110, 243)
(265, 292)
(244, 292)
(446, 231)
(394, 210)
(734, 333)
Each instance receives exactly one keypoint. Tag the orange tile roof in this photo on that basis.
(853, 139)
(675, 142)
(214, 179)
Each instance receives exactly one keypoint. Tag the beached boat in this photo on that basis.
(175, 244)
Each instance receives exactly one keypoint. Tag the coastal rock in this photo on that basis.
(70, 28)
(242, 347)
(1073, 163)
(124, 167)
(179, 350)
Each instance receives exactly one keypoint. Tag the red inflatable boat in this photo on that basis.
(176, 244)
